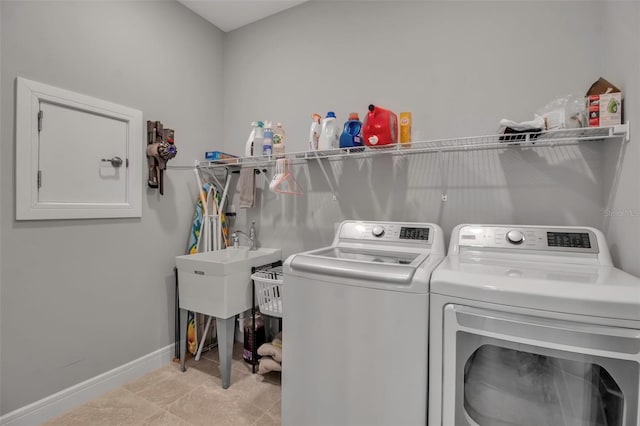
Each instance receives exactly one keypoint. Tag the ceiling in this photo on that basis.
(231, 14)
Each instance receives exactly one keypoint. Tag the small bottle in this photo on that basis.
(314, 132)
(258, 140)
(253, 235)
(268, 139)
(278, 141)
(330, 134)
(405, 129)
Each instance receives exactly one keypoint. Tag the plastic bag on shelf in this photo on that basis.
(568, 112)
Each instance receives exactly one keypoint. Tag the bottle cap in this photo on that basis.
(372, 107)
(316, 117)
(354, 116)
(331, 114)
(260, 124)
(278, 124)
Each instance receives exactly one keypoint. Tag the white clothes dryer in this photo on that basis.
(533, 326)
(355, 326)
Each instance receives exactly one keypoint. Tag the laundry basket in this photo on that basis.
(268, 287)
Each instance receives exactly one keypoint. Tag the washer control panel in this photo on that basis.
(386, 231)
(529, 238)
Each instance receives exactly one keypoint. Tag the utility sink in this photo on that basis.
(218, 283)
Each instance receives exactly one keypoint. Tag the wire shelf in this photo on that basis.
(541, 139)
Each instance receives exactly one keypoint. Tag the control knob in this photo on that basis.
(515, 237)
(377, 231)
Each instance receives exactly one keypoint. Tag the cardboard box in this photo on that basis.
(604, 104)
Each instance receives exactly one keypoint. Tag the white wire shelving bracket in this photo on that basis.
(519, 140)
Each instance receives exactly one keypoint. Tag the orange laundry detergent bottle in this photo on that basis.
(380, 127)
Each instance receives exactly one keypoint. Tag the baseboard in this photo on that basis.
(74, 396)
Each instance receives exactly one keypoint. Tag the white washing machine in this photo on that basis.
(533, 326)
(355, 324)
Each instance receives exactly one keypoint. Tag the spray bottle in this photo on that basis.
(258, 140)
(248, 149)
(314, 132)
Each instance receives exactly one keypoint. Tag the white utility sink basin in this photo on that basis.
(218, 283)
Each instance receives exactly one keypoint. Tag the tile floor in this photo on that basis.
(169, 397)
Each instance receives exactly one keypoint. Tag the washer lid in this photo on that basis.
(363, 255)
(566, 288)
(393, 267)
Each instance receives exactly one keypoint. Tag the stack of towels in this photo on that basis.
(271, 355)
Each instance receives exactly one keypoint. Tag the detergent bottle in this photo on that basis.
(352, 134)
(248, 149)
(314, 132)
(380, 127)
(258, 140)
(268, 139)
(330, 133)
(278, 140)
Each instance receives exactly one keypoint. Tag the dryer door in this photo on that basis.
(503, 369)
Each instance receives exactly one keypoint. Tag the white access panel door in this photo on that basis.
(76, 156)
(72, 145)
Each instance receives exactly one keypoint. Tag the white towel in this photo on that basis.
(247, 188)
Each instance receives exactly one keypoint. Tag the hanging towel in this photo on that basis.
(247, 188)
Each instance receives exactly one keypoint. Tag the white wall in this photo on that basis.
(459, 67)
(81, 297)
(621, 66)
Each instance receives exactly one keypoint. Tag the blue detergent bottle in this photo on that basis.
(351, 136)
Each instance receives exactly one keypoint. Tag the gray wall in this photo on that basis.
(459, 67)
(621, 64)
(81, 297)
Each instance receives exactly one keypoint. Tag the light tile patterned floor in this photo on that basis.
(169, 397)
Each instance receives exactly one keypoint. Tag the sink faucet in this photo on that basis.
(235, 237)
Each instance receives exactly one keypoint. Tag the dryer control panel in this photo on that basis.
(577, 240)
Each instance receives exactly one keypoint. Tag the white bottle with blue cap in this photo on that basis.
(330, 133)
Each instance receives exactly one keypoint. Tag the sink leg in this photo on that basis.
(183, 339)
(226, 327)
